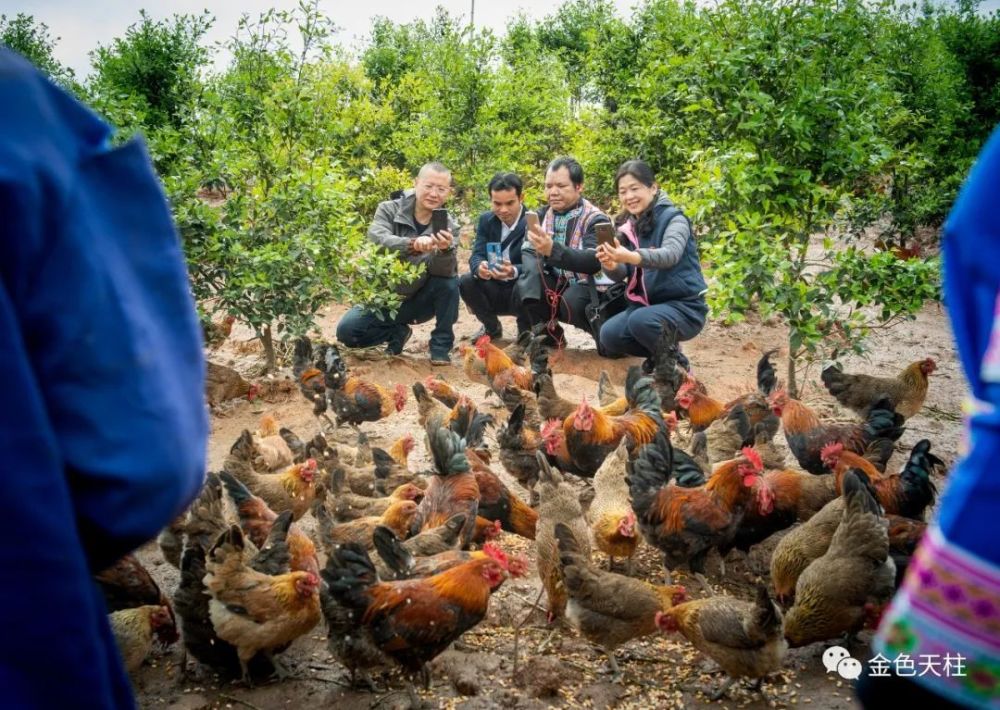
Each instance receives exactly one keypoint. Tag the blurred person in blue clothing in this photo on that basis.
(104, 427)
(946, 616)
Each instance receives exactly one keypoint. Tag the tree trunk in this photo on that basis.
(792, 387)
(268, 341)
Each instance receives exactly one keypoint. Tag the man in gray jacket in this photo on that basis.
(403, 225)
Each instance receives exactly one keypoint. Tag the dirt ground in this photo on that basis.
(478, 672)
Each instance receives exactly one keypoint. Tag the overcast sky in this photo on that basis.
(82, 25)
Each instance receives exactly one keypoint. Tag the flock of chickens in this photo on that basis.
(403, 563)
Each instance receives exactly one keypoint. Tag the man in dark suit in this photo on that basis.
(487, 292)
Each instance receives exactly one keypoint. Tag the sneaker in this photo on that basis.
(494, 334)
(398, 341)
(440, 360)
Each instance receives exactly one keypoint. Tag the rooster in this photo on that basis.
(500, 369)
(756, 413)
(497, 503)
(453, 488)
(310, 379)
(413, 621)
(780, 499)
(908, 493)
(687, 523)
(293, 489)
(462, 418)
(668, 375)
(354, 400)
(836, 592)
(807, 434)
(609, 609)
(257, 521)
(744, 638)
(701, 409)
(613, 522)
(400, 563)
(518, 445)
(906, 392)
(591, 435)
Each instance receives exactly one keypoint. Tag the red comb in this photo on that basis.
(831, 451)
(494, 551)
(753, 456)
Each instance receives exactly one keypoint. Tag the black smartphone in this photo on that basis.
(439, 220)
(605, 234)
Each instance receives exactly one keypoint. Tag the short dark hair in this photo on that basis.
(506, 181)
(639, 169)
(574, 168)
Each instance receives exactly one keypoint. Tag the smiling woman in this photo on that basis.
(656, 255)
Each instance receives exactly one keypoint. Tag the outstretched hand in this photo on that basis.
(610, 256)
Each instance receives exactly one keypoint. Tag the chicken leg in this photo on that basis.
(722, 689)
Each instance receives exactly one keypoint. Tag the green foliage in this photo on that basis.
(33, 41)
(285, 237)
(150, 81)
(793, 134)
(459, 96)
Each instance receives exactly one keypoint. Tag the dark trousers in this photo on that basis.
(488, 299)
(438, 299)
(635, 330)
(572, 304)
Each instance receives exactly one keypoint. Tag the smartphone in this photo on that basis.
(605, 234)
(531, 220)
(494, 255)
(439, 220)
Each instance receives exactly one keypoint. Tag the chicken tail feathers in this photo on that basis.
(348, 574)
(919, 488)
(302, 356)
(649, 472)
(767, 378)
(392, 552)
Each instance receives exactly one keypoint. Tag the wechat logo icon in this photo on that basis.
(838, 659)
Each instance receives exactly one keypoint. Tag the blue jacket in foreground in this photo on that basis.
(103, 426)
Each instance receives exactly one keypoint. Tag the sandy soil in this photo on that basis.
(478, 672)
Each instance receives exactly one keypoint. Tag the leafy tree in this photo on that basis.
(150, 79)
(285, 239)
(765, 118)
(32, 40)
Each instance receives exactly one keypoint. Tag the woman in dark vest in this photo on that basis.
(656, 254)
